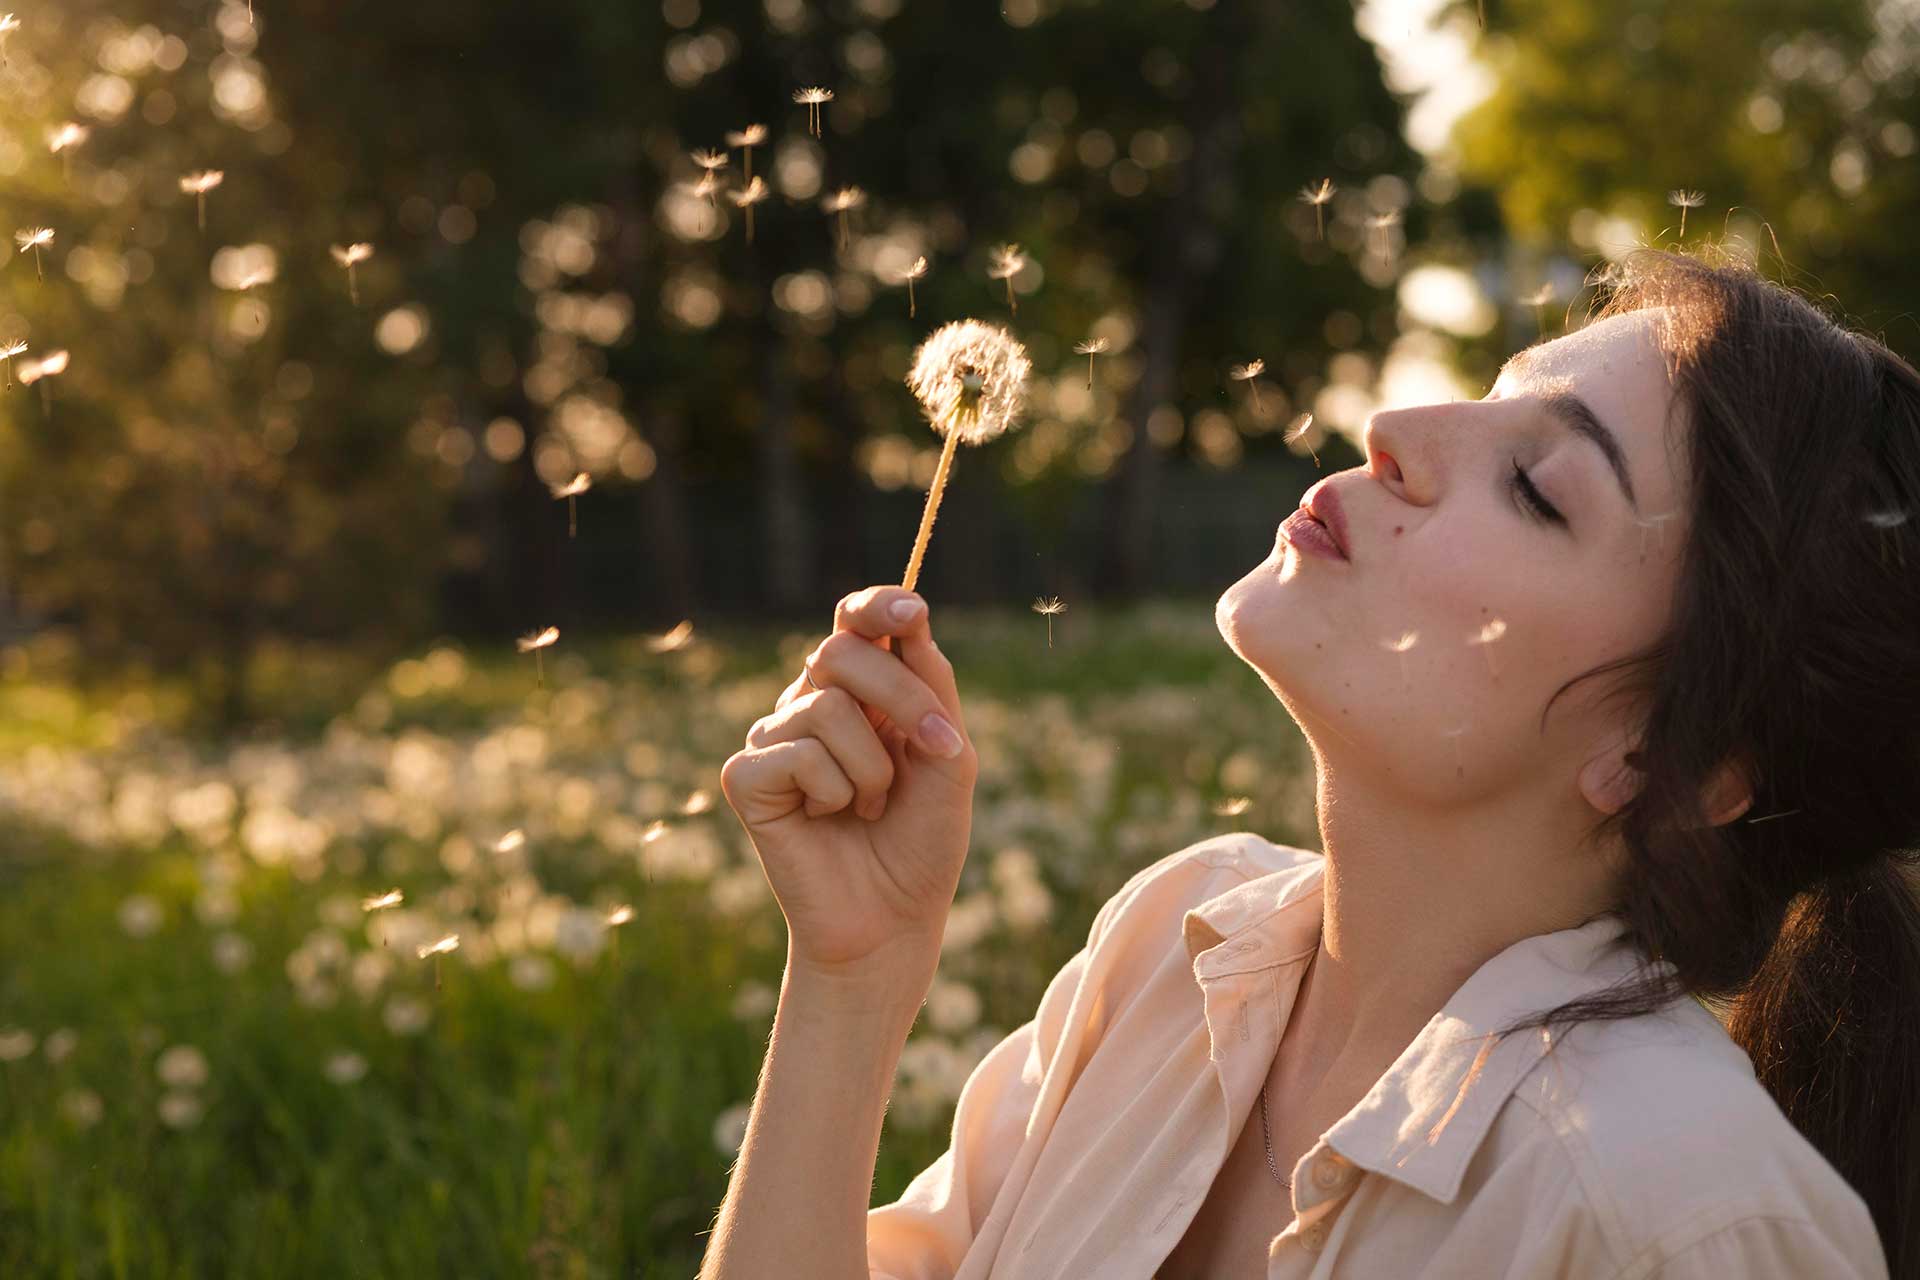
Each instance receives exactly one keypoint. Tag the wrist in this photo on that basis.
(882, 988)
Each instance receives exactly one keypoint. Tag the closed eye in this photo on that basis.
(1533, 497)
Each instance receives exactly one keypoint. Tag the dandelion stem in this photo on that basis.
(573, 524)
(1320, 221)
(1683, 222)
(540, 668)
(749, 215)
(1089, 387)
(933, 496)
(353, 288)
(201, 199)
(910, 307)
(1010, 302)
(37, 274)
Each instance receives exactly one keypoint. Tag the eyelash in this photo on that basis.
(1532, 496)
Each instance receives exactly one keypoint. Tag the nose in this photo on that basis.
(1383, 429)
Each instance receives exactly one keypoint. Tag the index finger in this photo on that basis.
(867, 613)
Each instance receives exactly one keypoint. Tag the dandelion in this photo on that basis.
(698, 801)
(507, 843)
(33, 238)
(1459, 769)
(437, 949)
(1233, 806)
(1380, 222)
(1007, 263)
(1297, 429)
(1090, 348)
(533, 644)
(811, 100)
(1538, 300)
(1247, 373)
(711, 161)
(615, 918)
(1047, 608)
(1686, 200)
(182, 1067)
(1400, 646)
(51, 365)
(62, 140)
(840, 202)
(345, 1067)
(678, 638)
(971, 380)
(747, 139)
(7, 353)
(1318, 197)
(391, 898)
(180, 1110)
(748, 196)
(907, 277)
(198, 184)
(708, 184)
(1486, 636)
(348, 255)
(15, 1043)
(570, 490)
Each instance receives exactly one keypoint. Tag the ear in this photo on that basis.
(1729, 793)
(1610, 780)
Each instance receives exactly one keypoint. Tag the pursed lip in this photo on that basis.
(1323, 504)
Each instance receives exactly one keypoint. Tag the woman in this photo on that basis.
(1612, 681)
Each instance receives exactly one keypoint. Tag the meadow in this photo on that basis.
(222, 1051)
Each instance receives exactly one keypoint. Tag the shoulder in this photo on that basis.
(1672, 1140)
(1188, 877)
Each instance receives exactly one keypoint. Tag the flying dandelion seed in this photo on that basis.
(349, 256)
(198, 184)
(1090, 348)
(1247, 373)
(446, 945)
(571, 490)
(907, 277)
(1686, 200)
(33, 238)
(62, 140)
(1233, 806)
(678, 638)
(391, 898)
(514, 839)
(1538, 300)
(971, 381)
(747, 139)
(534, 644)
(1400, 646)
(48, 366)
(1459, 769)
(711, 161)
(748, 196)
(8, 25)
(1486, 636)
(1049, 607)
(7, 353)
(1768, 817)
(840, 202)
(1883, 521)
(655, 829)
(1297, 430)
(615, 918)
(1654, 523)
(811, 99)
(697, 802)
(1318, 197)
(1380, 222)
(1007, 263)
(708, 184)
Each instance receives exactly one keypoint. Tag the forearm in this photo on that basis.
(797, 1204)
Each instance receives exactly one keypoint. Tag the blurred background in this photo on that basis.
(312, 309)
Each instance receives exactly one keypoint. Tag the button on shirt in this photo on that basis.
(1086, 1141)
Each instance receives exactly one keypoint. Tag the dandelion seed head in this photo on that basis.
(66, 135)
(678, 638)
(507, 843)
(11, 350)
(698, 801)
(1007, 262)
(1539, 297)
(47, 366)
(753, 193)
(391, 898)
(969, 360)
(1320, 194)
(620, 915)
(812, 96)
(204, 181)
(710, 160)
(538, 640)
(345, 1067)
(33, 237)
(751, 136)
(845, 198)
(1383, 219)
(348, 254)
(579, 484)
(1687, 199)
(914, 272)
(1233, 806)
(1091, 347)
(447, 944)
(1300, 426)
(1048, 606)
(1247, 372)
(1403, 644)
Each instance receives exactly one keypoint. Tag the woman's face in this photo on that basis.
(1503, 604)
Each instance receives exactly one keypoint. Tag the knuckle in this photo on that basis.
(836, 646)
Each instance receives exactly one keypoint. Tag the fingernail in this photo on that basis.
(940, 737)
(906, 610)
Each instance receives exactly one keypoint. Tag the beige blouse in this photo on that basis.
(1085, 1142)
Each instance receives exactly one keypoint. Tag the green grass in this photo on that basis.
(565, 1129)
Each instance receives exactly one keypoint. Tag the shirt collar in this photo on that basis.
(1421, 1123)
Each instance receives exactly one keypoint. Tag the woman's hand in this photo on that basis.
(860, 819)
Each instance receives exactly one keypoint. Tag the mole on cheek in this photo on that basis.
(1398, 530)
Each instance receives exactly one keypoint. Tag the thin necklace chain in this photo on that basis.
(1269, 1140)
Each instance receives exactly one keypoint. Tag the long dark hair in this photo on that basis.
(1794, 649)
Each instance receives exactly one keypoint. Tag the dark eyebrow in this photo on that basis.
(1578, 417)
